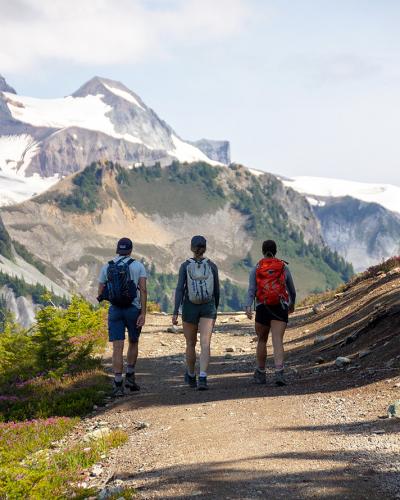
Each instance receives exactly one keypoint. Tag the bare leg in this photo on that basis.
(133, 350)
(262, 332)
(205, 328)
(190, 332)
(278, 330)
(118, 356)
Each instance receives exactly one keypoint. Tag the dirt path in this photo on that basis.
(317, 438)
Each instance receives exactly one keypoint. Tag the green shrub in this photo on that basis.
(17, 354)
(65, 338)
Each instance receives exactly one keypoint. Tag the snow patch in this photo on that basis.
(16, 153)
(386, 195)
(125, 95)
(187, 153)
(255, 172)
(89, 112)
(315, 203)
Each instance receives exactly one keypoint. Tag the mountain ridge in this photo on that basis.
(42, 140)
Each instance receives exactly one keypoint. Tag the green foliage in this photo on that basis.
(30, 468)
(23, 252)
(65, 338)
(232, 297)
(44, 396)
(63, 341)
(5, 242)
(38, 292)
(16, 353)
(85, 193)
(191, 188)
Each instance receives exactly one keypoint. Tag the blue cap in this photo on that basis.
(198, 241)
(124, 246)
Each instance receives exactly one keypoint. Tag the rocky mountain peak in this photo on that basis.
(4, 87)
(110, 89)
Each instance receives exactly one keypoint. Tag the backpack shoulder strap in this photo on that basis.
(130, 262)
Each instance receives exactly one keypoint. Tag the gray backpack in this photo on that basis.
(200, 281)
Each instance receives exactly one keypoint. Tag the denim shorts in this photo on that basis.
(120, 319)
(191, 313)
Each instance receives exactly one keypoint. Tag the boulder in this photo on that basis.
(97, 434)
(394, 409)
(318, 308)
(319, 338)
(342, 361)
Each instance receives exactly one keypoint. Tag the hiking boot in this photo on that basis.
(130, 382)
(260, 377)
(118, 389)
(280, 378)
(190, 381)
(202, 384)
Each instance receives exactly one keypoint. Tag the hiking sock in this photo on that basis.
(279, 368)
(203, 374)
(130, 369)
(118, 378)
(190, 374)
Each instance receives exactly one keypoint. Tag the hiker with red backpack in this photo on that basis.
(197, 292)
(271, 286)
(122, 282)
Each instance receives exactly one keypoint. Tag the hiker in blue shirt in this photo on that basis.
(122, 282)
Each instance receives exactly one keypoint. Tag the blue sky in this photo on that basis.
(299, 87)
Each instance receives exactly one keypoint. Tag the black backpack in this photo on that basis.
(120, 289)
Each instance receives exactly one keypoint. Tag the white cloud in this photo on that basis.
(334, 67)
(109, 31)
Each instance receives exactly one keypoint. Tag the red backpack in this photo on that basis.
(271, 282)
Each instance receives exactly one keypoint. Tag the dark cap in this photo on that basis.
(124, 246)
(198, 241)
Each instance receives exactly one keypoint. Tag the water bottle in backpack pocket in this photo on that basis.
(120, 289)
(200, 281)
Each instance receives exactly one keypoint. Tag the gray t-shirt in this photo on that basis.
(136, 270)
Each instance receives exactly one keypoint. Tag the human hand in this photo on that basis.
(175, 319)
(141, 320)
(291, 309)
(249, 312)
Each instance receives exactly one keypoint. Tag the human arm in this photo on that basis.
(251, 293)
(216, 285)
(102, 281)
(100, 289)
(291, 289)
(179, 292)
(142, 285)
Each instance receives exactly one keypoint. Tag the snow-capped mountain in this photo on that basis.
(42, 140)
(361, 221)
(318, 188)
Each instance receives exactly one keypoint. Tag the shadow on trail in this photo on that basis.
(266, 476)
(161, 381)
(369, 427)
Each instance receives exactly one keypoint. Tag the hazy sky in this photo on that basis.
(299, 87)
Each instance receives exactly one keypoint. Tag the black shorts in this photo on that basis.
(265, 314)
